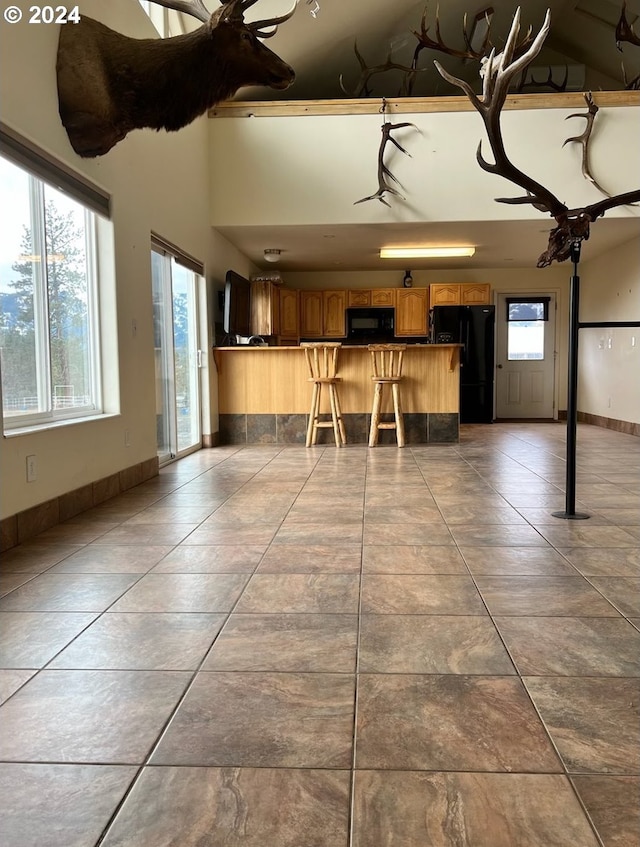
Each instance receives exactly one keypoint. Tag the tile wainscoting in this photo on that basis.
(25, 525)
(420, 428)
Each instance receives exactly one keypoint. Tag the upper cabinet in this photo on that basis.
(359, 297)
(460, 294)
(289, 313)
(412, 307)
(334, 304)
(322, 314)
(265, 311)
(383, 297)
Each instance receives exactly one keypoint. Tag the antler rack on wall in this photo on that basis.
(383, 170)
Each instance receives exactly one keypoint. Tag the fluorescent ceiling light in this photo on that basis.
(425, 252)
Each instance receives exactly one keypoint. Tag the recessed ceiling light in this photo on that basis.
(425, 252)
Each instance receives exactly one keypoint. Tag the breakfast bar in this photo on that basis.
(264, 394)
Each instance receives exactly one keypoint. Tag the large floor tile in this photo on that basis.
(346, 533)
(605, 561)
(420, 594)
(623, 592)
(497, 536)
(129, 641)
(11, 681)
(291, 593)
(31, 639)
(147, 534)
(431, 644)
(577, 534)
(311, 558)
(412, 559)
(594, 723)
(183, 593)
(449, 723)
(543, 646)
(543, 595)
(516, 561)
(613, 803)
(36, 556)
(106, 717)
(59, 805)
(211, 559)
(68, 593)
(407, 534)
(211, 807)
(117, 558)
(262, 720)
(296, 643)
(475, 809)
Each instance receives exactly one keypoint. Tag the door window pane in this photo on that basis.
(525, 340)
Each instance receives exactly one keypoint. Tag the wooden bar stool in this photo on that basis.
(322, 361)
(386, 361)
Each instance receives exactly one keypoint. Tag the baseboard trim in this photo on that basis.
(627, 427)
(27, 524)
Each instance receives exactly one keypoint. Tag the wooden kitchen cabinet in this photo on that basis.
(322, 314)
(460, 294)
(383, 297)
(412, 307)
(311, 314)
(475, 294)
(289, 313)
(265, 308)
(359, 298)
(334, 304)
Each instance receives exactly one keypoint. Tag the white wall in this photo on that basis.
(159, 182)
(609, 358)
(310, 170)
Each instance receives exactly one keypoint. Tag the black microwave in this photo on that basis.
(368, 326)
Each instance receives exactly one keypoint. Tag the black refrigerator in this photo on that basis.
(474, 328)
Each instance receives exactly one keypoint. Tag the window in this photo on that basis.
(526, 318)
(48, 303)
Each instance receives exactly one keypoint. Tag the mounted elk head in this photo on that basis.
(572, 224)
(109, 84)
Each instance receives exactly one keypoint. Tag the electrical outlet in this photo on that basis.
(609, 403)
(32, 469)
(127, 438)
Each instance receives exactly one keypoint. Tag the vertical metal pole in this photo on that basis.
(572, 392)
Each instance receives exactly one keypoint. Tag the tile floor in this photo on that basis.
(280, 647)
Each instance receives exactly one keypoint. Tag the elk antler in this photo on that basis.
(624, 31)
(573, 224)
(585, 137)
(362, 87)
(383, 170)
(195, 8)
(549, 82)
(233, 10)
(426, 42)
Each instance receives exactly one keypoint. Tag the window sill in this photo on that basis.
(43, 427)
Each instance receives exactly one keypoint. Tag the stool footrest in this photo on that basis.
(388, 425)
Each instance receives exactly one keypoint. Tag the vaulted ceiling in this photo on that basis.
(318, 42)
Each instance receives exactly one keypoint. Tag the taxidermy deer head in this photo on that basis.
(572, 224)
(109, 84)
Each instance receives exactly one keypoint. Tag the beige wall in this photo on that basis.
(159, 182)
(609, 358)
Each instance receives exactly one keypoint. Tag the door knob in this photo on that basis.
(500, 366)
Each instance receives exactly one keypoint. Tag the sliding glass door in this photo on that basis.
(175, 317)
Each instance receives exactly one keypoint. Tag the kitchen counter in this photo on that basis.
(264, 395)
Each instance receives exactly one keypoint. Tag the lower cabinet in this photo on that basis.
(412, 307)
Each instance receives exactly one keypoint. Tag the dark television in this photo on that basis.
(237, 305)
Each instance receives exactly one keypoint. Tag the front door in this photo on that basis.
(525, 356)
